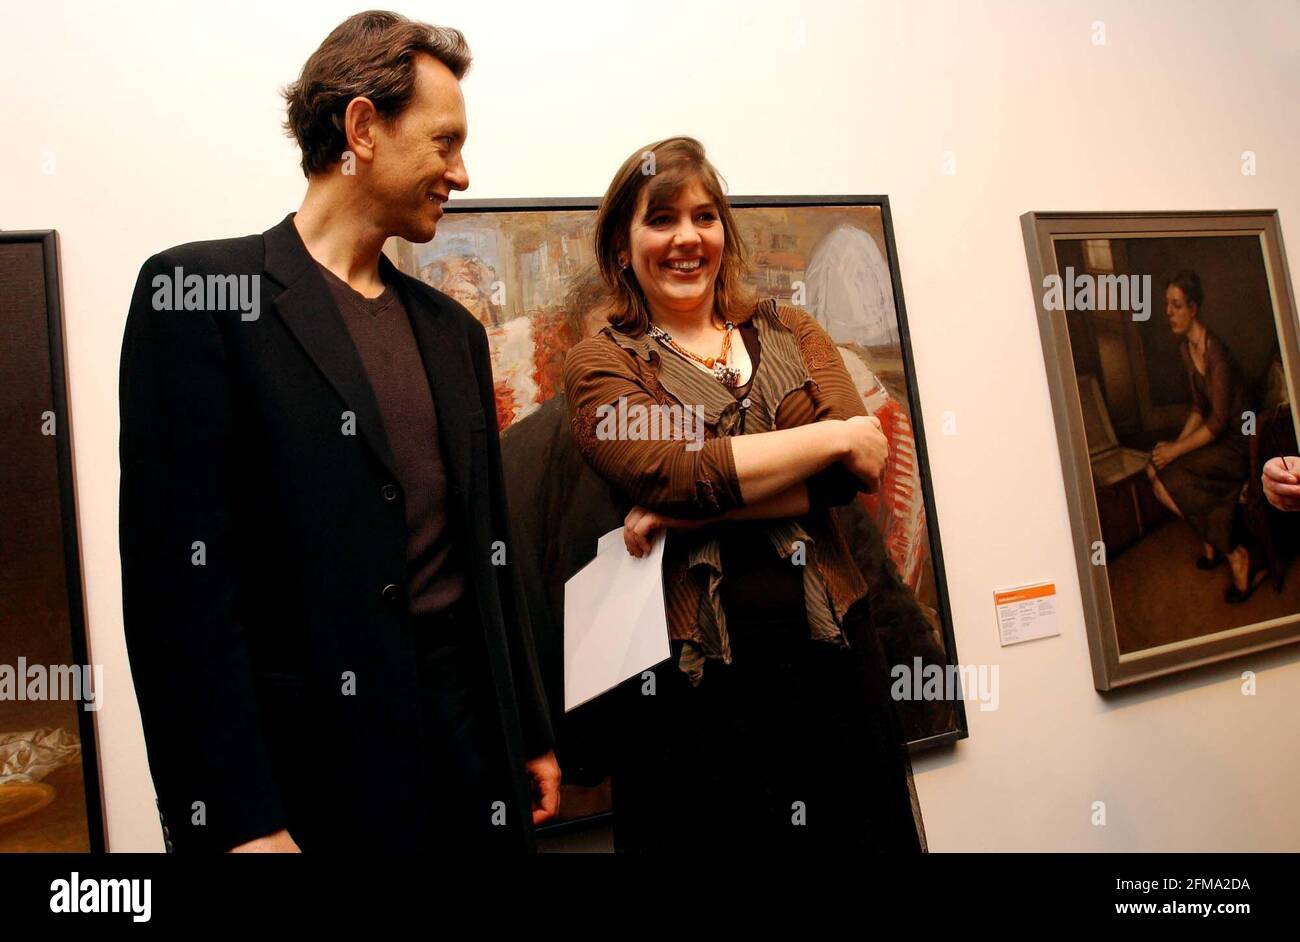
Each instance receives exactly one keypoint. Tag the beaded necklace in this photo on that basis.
(727, 375)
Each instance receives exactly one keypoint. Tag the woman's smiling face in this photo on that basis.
(675, 249)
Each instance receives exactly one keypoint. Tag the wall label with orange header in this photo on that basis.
(1026, 613)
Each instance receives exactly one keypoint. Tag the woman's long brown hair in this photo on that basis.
(665, 167)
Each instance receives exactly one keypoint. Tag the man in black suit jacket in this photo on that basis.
(326, 631)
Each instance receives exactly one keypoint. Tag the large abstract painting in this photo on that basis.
(49, 691)
(527, 271)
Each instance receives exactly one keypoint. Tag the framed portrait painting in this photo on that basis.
(1172, 359)
(526, 269)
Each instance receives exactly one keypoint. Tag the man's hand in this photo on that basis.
(544, 783)
(1281, 484)
(278, 843)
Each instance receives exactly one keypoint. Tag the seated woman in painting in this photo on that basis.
(1199, 476)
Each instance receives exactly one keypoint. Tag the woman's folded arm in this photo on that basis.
(691, 477)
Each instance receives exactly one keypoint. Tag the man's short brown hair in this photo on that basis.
(369, 55)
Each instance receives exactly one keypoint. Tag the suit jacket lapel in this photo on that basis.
(308, 309)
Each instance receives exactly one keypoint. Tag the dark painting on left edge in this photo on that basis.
(49, 691)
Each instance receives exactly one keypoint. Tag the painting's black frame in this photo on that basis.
(48, 239)
(560, 204)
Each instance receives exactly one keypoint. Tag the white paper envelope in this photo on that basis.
(615, 623)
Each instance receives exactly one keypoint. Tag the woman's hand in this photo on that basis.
(868, 449)
(1281, 485)
(1162, 454)
(641, 525)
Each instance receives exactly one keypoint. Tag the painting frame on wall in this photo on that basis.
(51, 754)
(515, 260)
(1155, 325)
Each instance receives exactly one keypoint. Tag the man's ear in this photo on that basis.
(359, 122)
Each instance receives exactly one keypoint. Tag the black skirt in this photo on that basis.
(795, 745)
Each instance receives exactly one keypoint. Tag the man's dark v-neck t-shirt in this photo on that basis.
(381, 331)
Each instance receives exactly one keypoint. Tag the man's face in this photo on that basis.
(417, 157)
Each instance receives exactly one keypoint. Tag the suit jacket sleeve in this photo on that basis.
(534, 716)
(179, 579)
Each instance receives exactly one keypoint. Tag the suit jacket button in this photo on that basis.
(389, 491)
(391, 593)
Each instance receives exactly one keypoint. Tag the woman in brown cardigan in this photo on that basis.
(771, 727)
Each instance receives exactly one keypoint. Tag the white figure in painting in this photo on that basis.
(850, 290)
(851, 295)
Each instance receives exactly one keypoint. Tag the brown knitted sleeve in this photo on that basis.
(680, 477)
(834, 396)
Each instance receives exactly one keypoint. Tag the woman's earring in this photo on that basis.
(622, 264)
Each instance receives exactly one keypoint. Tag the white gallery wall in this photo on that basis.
(135, 126)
